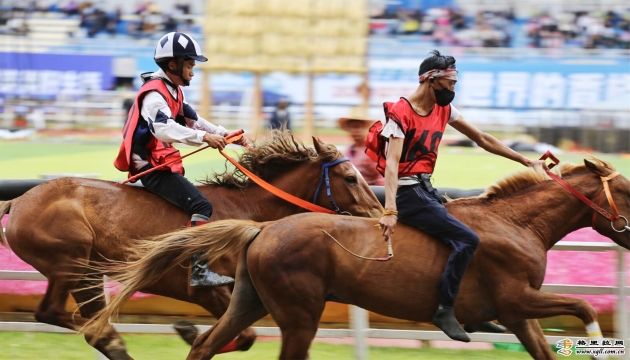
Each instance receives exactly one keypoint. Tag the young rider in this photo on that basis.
(161, 116)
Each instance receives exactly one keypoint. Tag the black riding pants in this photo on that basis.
(177, 190)
(423, 210)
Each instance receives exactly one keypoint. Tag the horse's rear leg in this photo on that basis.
(52, 311)
(109, 343)
(532, 337)
(62, 256)
(245, 308)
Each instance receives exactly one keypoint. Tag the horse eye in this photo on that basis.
(351, 179)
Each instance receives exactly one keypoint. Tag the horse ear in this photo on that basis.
(596, 168)
(319, 146)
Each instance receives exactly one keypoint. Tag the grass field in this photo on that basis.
(464, 168)
(27, 346)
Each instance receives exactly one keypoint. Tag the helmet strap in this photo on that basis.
(179, 71)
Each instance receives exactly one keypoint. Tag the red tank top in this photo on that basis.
(422, 137)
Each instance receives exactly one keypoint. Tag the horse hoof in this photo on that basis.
(116, 350)
(119, 354)
(488, 327)
(187, 330)
(244, 343)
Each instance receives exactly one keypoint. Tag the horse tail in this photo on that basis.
(155, 257)
(4, 209)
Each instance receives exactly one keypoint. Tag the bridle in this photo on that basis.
(598, 209)
(292, 198)
(324, 178)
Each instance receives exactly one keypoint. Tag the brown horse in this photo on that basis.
(292, 266)
(64, 225)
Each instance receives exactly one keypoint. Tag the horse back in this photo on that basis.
(87, 213)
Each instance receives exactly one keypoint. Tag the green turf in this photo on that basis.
(32, 160)
(468, 168)
(464, 168)
(26, 346)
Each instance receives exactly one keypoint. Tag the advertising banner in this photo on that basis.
(49, 75)
(497, 84)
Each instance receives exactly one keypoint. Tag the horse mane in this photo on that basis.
(269, 157)
(531, 176)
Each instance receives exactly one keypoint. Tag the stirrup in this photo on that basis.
(487, 326)
(209, 278)
(201, 276)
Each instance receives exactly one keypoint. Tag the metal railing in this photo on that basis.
(359, 321)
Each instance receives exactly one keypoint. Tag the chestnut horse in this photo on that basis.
(292, 266)
(64, 225)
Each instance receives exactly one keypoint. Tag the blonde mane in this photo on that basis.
(531, 176)
(270, 157)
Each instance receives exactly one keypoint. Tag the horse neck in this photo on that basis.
(550, 211)
(262, 205)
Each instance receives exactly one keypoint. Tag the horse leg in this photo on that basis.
(91, 302)
(216, 301)
(52, 311)
(530, 334)
(244, 309)
(536, 304)
(62, 256)
(299, 327)
(296, 302)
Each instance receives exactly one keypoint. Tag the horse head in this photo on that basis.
(341, 185)
(618, 230)
(318, 174)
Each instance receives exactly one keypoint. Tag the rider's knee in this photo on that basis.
(472, 240)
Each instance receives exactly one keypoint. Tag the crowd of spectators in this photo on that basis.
(446, 26)
(443, 26)
(147, 20)
(450, 26)
(580, 29)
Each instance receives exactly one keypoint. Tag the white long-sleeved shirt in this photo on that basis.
(162, 122)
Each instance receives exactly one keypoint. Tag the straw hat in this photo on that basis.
(356, 113)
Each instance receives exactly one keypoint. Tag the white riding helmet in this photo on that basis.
(176, 44)
(179, 47)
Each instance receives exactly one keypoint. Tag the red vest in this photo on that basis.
(160, 152)
(422, 137)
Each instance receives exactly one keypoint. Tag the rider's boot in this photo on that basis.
(444, 318)
(200, 275)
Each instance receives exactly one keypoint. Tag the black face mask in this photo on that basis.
(443, 97)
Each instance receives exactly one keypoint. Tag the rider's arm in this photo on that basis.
(394, 150)
(396, 137)
(156, 112)
(489, 142)
(194, 121)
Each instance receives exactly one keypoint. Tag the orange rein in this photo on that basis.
(230, 138)
(274, 190)
(235, 136)
(585, 200)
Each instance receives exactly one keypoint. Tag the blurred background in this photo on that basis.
(557, 70)
(538, 74)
